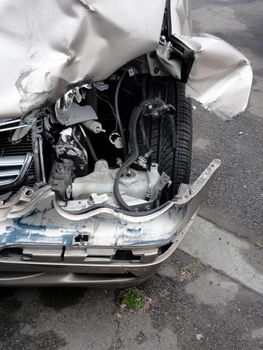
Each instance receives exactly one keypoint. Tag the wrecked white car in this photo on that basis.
(96, 135)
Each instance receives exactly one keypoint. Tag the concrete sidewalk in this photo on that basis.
(224, 252)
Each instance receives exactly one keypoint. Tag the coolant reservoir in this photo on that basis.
(101, 181)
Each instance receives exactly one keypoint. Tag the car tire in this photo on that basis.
(170, 138)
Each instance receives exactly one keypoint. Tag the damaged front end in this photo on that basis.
(96, 137)
(40, 236)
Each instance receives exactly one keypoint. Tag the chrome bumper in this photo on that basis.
(40, 248)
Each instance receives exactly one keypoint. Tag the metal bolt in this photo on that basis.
(163, 39)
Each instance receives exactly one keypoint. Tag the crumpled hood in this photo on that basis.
(48, 45)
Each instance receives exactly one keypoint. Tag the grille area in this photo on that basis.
(17, 160)
(13, 169)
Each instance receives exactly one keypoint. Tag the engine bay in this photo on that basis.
(94, 144)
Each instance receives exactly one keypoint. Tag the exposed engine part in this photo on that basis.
(60, 178)
(99, 198)
(136, 184)
(70, 147)
(85, 126)
(75, 114)
(89, 144)
(142, 161)
(101, 86)
(94, 126)
(116, 140)
(149, 109)
(74, 94)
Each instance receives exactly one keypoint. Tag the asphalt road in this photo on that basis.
(191, 306)
(236, 200)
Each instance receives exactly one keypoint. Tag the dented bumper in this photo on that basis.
(43, 246)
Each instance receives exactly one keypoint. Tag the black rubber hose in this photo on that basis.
(89, 144)
(91, 149)
(134, 149)
(131, 159)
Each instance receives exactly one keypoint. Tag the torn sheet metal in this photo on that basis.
(48, 45)
(221, 76)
